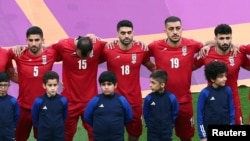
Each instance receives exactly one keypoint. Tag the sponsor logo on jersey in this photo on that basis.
(153, 103)
(212, 98)
(45, 108)
(101, 106)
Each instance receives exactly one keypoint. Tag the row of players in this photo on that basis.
(80, 58)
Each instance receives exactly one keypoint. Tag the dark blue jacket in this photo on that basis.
(160, 111)
(215, 106)
(9, 114)
(108, 115)
(48, 115)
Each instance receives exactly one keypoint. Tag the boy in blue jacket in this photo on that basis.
(108, 112)
(49, 111)
(160, 109)
(215, 102)
(10, 110)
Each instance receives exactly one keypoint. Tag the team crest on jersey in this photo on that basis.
(133, 58)
(184, 50)
(44, 59)
(231, 60)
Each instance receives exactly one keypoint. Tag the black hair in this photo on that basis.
(172, 19)
(213, 69)
(160, 75)
(85, 45)
(222, 29)
(50, 75)
(4, 77)
(107, 76)
(34, 30)
(124, 23)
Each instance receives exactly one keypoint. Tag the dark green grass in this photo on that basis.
(82, 136)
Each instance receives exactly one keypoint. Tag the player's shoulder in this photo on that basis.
(157, 42)
(189, 41)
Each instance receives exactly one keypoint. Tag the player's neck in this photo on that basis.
(37, 53)
(125, 47)
(221, 52)
(173, 44)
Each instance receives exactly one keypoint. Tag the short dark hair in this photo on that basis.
(34, 30)
(213, 69)
(50, 75)
(85, 45)
(222, 29)
(107, 76)
(124, 23)
(4, 77)
(160, 75)
(172, 19)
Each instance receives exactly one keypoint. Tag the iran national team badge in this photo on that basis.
(133, 58)
(44, 59)
(231, 60)
(184, 50)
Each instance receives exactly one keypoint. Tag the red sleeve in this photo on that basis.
(198, 62)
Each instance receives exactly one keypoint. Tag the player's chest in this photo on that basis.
(126, 58)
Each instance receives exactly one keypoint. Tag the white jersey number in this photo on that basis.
(82, 64)
(175, 63)
(125, 69)
(36, 71)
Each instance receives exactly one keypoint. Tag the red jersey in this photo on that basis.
(30, 70)
(79, 76)
(5, 61)
(233, 64)
(126, 65)
(177, 61)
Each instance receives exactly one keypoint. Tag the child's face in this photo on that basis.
(4, 88)
(51, 87)
(220, 80)
(108, 88)
(156, 86)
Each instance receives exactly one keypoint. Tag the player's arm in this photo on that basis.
(16, 111)
(150, 65)
(146, 109)
(88, 114)
(65, 107)
(35, 111)
(175, 107)
(200, 109)
(127, 109)
(10, 70)
(198, 62)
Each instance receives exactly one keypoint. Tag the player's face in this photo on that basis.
(3, 88)
(173, 31)
(51, 87)
(156, 86)
(223, 41)
(108, 88)
(125, 35)
(220, 80)
(34, 42)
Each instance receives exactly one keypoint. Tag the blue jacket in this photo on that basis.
(108, 115)
(160, 111)
(9, 114)
(215, 106)
(48, 115)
